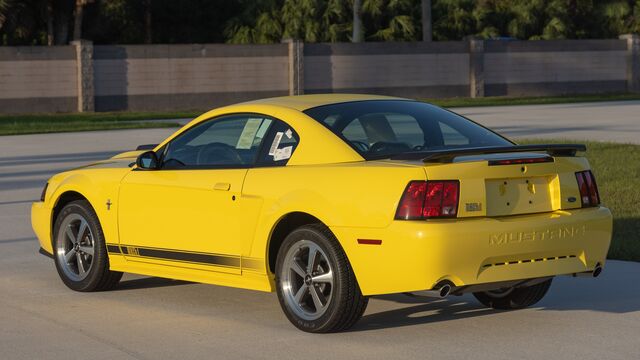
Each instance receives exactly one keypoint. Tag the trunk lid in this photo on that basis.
(507, 184)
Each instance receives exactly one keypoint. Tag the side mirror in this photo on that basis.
(147, 160)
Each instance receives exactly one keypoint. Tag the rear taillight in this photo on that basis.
(588, 188)
(429, 199)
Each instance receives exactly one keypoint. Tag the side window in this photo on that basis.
(451, 136)
(280, 144)
(232, 141)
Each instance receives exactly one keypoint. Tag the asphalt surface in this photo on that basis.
(604, 121)
(151, 318)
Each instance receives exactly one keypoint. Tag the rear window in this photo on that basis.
(383, 128)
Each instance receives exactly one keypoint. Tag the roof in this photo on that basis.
(304, 102)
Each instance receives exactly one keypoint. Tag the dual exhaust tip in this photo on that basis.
(591, 274)
(442, 291)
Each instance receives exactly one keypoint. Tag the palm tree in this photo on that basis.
(426, 20)
(392, 18)
(357, 21)
(148, 30)
(4, 11)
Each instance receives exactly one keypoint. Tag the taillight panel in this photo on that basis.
(589, 194)
(429, 199)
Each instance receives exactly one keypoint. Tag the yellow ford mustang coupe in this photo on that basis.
(327, 200)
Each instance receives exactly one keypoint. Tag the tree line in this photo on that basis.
(56, 22)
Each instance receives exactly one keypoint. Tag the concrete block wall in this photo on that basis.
(529, 68)
(84, 77)
(38, 79)
(158, 77)
(438, 69)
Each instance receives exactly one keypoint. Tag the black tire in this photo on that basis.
(514, 298)
(345, 303)
(98, 277)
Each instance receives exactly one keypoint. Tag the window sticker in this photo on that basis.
(276, 143)
(248, 134)
(282, 154)
(288, 133)
(263, 128)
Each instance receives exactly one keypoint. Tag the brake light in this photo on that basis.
(588, 188)
(429, 199)
(521, 161)
(412, 202)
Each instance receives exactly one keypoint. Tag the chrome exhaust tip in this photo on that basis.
(597, 271)
(437, 292)
(591, 274)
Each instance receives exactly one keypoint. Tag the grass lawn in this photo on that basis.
(49, 123)
(617, 171)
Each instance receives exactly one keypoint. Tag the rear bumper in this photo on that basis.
(417, 255)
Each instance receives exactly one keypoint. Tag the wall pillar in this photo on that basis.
(476, 68)
(84, 65)
(296, 66)
(633, 61)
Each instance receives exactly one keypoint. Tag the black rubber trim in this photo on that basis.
(146, 147)
(45, 253)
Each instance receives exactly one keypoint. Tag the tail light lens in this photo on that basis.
(429, 199)
(588, 188)
(412, 202)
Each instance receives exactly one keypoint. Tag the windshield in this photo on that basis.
(383, 128)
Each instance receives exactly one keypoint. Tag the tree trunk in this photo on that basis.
(62, 11)
(426, 21)
(77, 20)
(357, 22)
(148, 30)
(50, 35)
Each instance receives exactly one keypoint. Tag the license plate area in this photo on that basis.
(512, 196)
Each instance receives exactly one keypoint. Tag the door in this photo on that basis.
(187, 212)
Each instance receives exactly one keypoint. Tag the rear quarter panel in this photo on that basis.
(361, 194)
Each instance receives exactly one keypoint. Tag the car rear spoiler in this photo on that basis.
(446, 156)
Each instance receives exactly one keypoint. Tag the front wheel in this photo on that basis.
(80, 253)
(514, 297)
(316, 286)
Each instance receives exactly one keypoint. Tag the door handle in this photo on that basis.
(222, 186)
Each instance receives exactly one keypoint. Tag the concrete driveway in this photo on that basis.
(150, 318)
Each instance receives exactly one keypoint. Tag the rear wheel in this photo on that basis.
(316, 286)
(514, 297)
(79, 248)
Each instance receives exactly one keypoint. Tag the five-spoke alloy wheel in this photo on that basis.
(307, 280)
(79, 249)
(316, 285)
(75, 247)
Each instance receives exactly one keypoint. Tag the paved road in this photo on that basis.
(604, 121)
(149, 318)
(617, 121)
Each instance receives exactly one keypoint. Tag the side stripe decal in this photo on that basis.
(184, 256)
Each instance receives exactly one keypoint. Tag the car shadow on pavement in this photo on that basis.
(148, 283)
(612, 292)
(425, 311)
